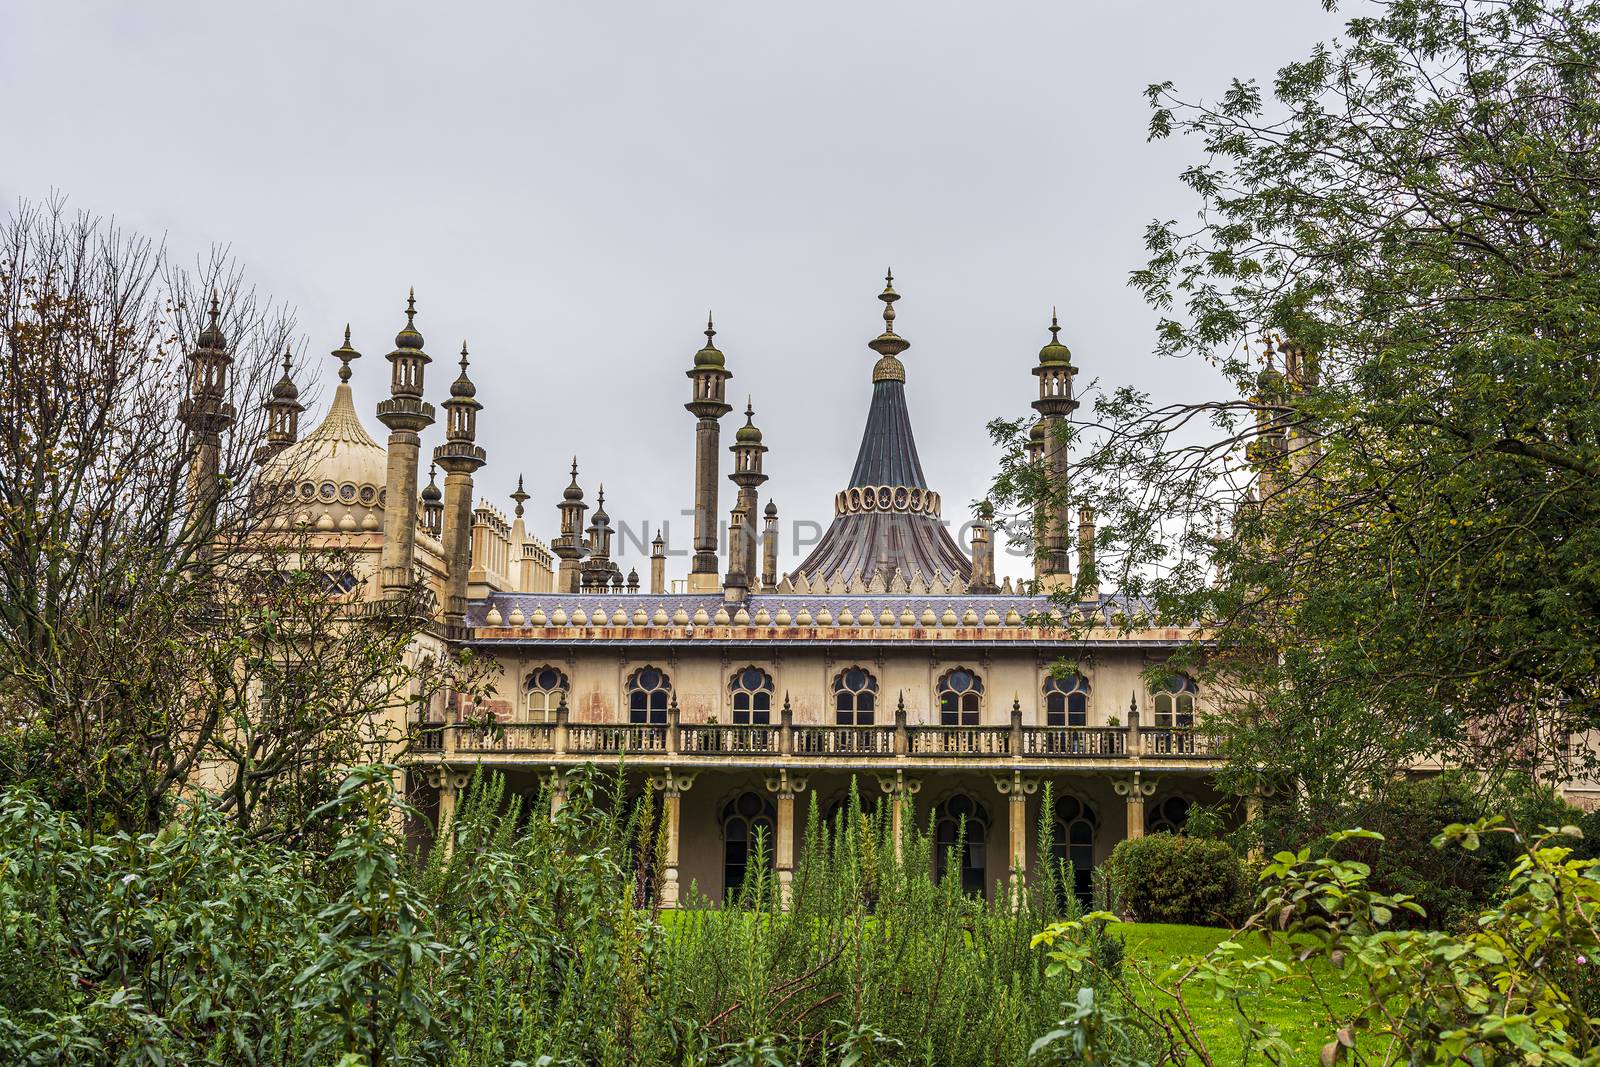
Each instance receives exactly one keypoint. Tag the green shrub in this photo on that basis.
(1166, 879)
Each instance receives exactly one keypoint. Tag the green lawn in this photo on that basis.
(1290, 1003)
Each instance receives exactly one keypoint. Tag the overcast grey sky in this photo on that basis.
(570, 186)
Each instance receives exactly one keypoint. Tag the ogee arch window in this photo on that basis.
(752, 697)
(1066, 701)
(855, 697)
(649, 689)
(960, 698)
(543, 691)
(1174, 702)
(745, 819)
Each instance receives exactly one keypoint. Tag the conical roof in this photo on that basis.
(887, 519)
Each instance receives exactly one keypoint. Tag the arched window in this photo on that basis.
(962, 824)
(1174, 703)
(1076, 825)
(745, 818)
(855, 697)
(960, 698)
(648, 692)
(752, 697)
(543, 691)
(1167, 817)
(1066, 701)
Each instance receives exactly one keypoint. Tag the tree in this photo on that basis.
(1392, 526)
(161, 629)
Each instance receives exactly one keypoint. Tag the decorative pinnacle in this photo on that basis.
(888, 343)
(519, 496)
(411, 304)
(749, 409)
(344, 354)
(711, 329)
(574, 470)
(288, 358)
(1055, 327)
(463, 357)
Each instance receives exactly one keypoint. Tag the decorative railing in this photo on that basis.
(960, 740)
(509, 737)
(844, 740)
(734, 740)
(702, 740)
(1074, 741)
(1176, 742)
(587, 738)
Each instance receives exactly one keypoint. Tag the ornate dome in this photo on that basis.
(709, 356)
(336, 470)
(1054, 353)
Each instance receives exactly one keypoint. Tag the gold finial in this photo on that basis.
(888, 344)
(344, 354)
(519, 496)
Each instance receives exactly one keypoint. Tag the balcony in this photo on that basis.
(789, 744)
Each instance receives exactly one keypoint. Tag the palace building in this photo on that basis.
(889, 655)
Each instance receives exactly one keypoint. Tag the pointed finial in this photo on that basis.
(601, 500)
(288, 358)
(1055, 324)
(888, 344)
(574, 468)
(463, 357)
(749, 409)
(519, 496)
(344, 354)
(711, 328)
(411, 303)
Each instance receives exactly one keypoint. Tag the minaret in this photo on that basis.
(710, 379)
(568, 547)
(769, 549)
(1052, 566)
(460, 456)
(658, 564)
(433, 505)
(406, 416)
(206, 413)
(1267, 453)
(597, 567)
(283, 409)
(1086, 567)
(747, 451)
(983, 551)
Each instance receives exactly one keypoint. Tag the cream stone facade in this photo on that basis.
(890, 657)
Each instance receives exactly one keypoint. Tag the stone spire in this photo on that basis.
(283, 409)
(598, 571)
(707, 405)
(406, 416)
(747, 451)
(658, 564)
(1052, 561)
(519, 498)
(568, 546)
(460, 456)
(983, 551)
(769, 549)
(206, 413)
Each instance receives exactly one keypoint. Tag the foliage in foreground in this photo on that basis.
(1516, 986)
(532, 941)
(1167, 878)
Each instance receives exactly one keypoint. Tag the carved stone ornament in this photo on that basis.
(1134, 786)
(670, 781)
(786, 783)
(1016, 784)
(445, 778)
(899, 782)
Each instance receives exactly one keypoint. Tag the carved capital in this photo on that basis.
(1016, 784)
(898, 783)
(672, 782)
(786, 783)
(1134, 787)
(443, 778)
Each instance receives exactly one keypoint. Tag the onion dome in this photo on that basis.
(709, 356)
(463, 386)
(408, 337)
(286, 389)
(430, 492)
(338, 464)
(772, 509)
(212, 337)
(572, 491)
(1054, 353)
(748, 434)
(1037, 435)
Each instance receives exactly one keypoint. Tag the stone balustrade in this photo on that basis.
(786, 741)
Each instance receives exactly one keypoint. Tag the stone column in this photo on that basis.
(900, 790)
(785, 786)
(1016, 789)
(556, 783)
(769, 550)
(449, 783)
(1135, 789)
(457, 540)
(672, 787)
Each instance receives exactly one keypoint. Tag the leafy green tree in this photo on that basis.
(1392, 522)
